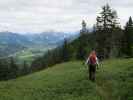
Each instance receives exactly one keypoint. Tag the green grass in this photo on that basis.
(69, 81)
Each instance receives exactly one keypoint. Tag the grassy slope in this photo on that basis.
(69, 81)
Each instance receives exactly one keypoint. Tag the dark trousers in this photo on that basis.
(92, 72)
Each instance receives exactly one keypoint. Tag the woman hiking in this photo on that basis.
(92, 63)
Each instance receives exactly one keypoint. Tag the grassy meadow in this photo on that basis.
(69, 81)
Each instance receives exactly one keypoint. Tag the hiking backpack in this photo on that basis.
(92, 60)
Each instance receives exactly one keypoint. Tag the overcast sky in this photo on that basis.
(57, 15)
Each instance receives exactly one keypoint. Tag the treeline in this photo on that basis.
(52, 57)
(9, 69)
(68, 51)
(111, 39)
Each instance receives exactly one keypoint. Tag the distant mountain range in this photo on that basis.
(48, 38)
(13, 42)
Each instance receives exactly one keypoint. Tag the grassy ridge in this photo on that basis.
(69, 81)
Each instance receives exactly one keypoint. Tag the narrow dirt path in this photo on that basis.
(104, 86)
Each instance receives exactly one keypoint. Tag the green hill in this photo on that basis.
(69, 81)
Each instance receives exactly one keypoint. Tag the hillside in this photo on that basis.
(69, 81)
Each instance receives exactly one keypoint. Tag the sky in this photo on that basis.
(36, 16)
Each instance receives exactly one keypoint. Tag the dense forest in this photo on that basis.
(108, 38)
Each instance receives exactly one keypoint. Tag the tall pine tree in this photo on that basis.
(65, 51)
(81, 52)
(127, 44)
(105, 26)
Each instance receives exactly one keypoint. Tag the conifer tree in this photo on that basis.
(65, 51)
(105, 26)
(81, 52)
(25, 69)
(83, 40)
(84, 30)
(128, 39)
(13, 68)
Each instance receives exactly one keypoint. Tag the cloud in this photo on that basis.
(59, 15)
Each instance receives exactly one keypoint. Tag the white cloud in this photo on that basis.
(58, 15)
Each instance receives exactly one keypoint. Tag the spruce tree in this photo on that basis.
(83, 41)
(105, 26)
(4, 70)
(25, 69)
(65, 51)
(84, 29)
(81, 52)
(13, 68)
(127, 47)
